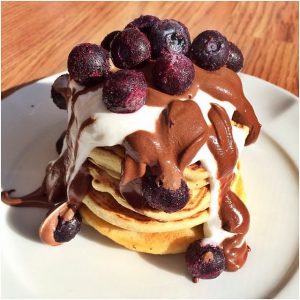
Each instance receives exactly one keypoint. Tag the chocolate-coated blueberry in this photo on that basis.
(88, 63)
(130, 48)
(125, 91)
(169, 35)
(235, 60)
(164, 199)
(210, 50)
(106, 43)
(173, 73)
(144, 23)
(66, 230)
(204, 261)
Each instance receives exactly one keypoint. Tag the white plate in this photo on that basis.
(91, 266)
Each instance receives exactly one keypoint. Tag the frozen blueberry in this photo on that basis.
(66, 230)
(144, 23)
(210, 50)
(164, 199)
(235, 60)
(125, 91)
(88, 64)
(106, 43)
(58, 99)
(173, 73)
(169, 35)
(130, 48)
(204, 261)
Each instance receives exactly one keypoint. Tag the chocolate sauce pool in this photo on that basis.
(181, 130)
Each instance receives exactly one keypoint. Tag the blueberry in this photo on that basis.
(235, 60)
(144, 23)
(88, 64)
(57, 97)
(169, 35)
(130, 48)
(106, 43)
(164, 199)
(125, 91)
(173, 73)
(204, 261)
(210, 50)
(66, 230)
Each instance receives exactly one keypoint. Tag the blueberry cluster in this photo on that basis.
(165, 42)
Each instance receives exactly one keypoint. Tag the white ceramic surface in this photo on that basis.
(91, 266)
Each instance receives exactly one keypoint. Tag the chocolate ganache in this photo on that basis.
(182, 133)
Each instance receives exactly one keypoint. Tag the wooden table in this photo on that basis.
(38, 36)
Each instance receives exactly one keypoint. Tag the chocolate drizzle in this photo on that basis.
(235, 218)
(169, 150)
(61, 195)
(221, 142)
(181, 131)
(38, 198)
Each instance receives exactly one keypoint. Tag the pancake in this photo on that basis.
(102, 182)
(105, 207)
(110, 160)
(105, 169)
(155, 243)
(175, 241)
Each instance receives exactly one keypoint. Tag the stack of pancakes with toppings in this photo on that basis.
(143, 228)
(150, 156)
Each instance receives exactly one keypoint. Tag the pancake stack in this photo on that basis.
(146, 230)
(150, 155)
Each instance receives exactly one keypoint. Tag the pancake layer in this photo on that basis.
(174, 241)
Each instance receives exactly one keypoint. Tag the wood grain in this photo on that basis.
(37, 36)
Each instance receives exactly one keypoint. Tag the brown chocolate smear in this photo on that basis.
(85, 123)
(236, 219)
(53, 190)
(54, 187)
(234, 214)
(180, 133)
(131, 183)
(225, 85)
(222, 84)
(55, 181)
(79, 187)
(221, 142)
(235, 253)
(38, 198)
